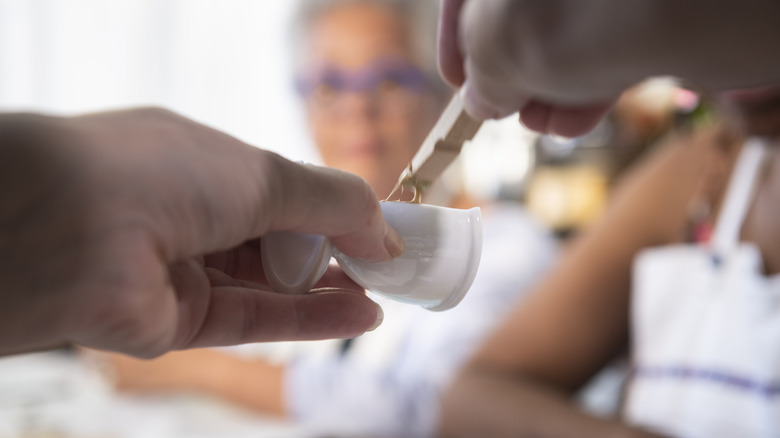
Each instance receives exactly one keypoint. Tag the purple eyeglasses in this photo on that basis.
(366, 79)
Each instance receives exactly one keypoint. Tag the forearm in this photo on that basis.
(485, 403)
(254, 384)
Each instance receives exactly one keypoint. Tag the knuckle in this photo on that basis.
(130, 322)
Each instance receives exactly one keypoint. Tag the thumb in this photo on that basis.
(337, 204)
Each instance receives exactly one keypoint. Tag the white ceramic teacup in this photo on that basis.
(443, 249)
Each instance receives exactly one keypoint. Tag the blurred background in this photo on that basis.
(228, 64)
(222, 63)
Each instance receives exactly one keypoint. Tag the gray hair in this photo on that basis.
(421, 16)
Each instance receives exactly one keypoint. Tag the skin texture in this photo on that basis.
(562, 63)
(137, 231)
(347, 36)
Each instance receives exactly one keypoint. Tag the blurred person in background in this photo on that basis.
(682, 268)
(366, 73)
(646, 279)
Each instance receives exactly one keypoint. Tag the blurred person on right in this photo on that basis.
(681, 273)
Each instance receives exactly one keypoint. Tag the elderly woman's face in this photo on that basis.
(369, 106)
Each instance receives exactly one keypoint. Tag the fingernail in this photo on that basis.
(393, 242)
(380, 316)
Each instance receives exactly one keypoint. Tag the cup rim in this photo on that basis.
(468, 277)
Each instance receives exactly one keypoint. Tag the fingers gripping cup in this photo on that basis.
(443, 248)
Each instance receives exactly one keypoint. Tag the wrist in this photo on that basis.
(36, 172)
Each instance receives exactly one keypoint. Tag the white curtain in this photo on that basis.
(222, 62)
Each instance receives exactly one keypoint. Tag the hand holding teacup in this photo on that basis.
(443, 248)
